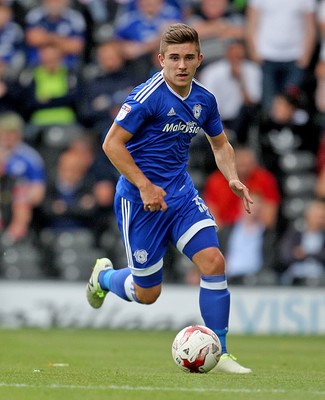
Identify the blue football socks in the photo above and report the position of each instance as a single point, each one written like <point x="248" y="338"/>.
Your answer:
<point x="118" y="281"/>
<point x="215" y="305"/>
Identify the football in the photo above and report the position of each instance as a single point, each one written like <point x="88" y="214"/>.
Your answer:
<point x="197" y="349"/>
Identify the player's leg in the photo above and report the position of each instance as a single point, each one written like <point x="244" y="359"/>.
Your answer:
<point x="147" y="295"/>
<point x="105" y="279"/>
<point x="141" y="280"/>
<point x="194" y="234"/>
<point x="203" y="250"/>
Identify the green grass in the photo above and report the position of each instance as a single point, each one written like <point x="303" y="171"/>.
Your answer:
<point x="137" y="365"/>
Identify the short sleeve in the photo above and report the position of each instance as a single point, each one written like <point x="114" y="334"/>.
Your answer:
<point x="213" y="125"/>
<point x="131" y="116"/>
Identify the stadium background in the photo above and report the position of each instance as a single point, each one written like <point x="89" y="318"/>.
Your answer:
<point x="55" y="297"/>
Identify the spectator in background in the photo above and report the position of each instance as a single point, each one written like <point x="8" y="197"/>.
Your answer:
<point x="11" y="41"/>
<point x="21" y="160"/>
<point x="320" y="184"/>
<point x="248" y="245"/>
<point x="99" y="16"/>
<point x="19" y="9"/>
<point x="302" y="251"/>
<point x="15" y="208"/>
<point x="281" y="35"/>
<point x="69" y="203"/>
<point x="99" y="169"/>
<point x="11" y="59"/>
<point x="10" y="92"/>
<point x="239" y="5"/>
<point x="217" y="24"/>
<point x="320" y="87"/>
<point x="100" y="11"/>
<point x="320" y="67"/>
<point x="320" y="99"/>
<point x="51" y="89"/>
<point x="54" y="22"/>
<point x="103" y="94"/>
<point x="320" y="155"/>
<point x="288" y="128"/>
<point x="236" y="82"/>
<point x="224" y="205"/>
<point x="131" y="5"/>
<point x="139" y="32"/>
<point x="84" y="146"/>
<point x="103" y="177"/>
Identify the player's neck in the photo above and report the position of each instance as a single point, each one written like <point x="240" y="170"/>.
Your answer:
<point x="182" y="91"/>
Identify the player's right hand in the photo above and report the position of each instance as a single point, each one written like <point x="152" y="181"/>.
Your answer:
<point x="153" y="198"/>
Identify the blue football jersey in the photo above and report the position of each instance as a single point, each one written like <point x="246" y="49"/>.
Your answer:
<point x="163" y="124"/>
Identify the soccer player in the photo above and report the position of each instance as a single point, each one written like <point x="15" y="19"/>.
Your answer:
<point x="156" y="201"/>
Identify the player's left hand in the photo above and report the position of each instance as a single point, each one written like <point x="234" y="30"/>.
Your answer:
<point x="241" y="191"/>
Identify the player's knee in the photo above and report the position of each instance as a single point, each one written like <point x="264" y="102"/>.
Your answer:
<point x="147" y="295"/>
<point x="210" y="262"/>
<point x="217" y="265"/>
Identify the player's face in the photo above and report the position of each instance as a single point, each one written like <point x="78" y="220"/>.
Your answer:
<point x="180" y="62"/>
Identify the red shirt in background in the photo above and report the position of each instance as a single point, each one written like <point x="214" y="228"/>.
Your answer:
<point x="227" y="207"/>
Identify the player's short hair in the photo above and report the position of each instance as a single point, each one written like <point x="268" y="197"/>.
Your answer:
<point x="179" y="34"/>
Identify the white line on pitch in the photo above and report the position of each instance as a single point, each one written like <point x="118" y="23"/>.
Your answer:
<point x="160" y="389"/>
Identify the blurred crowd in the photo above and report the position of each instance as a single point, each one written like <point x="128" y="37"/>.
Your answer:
<point x="66" y="67"/>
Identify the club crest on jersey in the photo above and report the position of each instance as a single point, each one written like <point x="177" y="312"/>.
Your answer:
<point x="197" y="109"/>
<point x="125" y="109"/>
<point x="141" y="256"/>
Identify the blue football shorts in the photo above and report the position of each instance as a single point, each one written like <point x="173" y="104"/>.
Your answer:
<point x="187" y="224"/>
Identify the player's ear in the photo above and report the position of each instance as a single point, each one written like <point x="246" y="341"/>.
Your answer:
<point x="161" y="59"/>
<point x="200" y="59"/>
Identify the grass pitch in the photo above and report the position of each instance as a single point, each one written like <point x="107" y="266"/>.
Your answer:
<point x="119" y="365"/>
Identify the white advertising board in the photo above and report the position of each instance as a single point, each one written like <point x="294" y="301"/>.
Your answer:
<point x="255" y="310"/>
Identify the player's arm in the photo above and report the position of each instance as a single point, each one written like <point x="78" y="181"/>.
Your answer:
<point x="115" y="149"/>
<point x="225" y="160"/>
